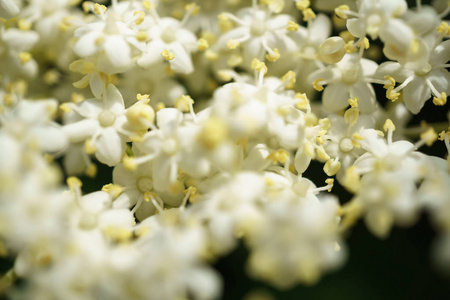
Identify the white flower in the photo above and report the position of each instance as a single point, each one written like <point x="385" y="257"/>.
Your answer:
<point x="258" y="32"/>
<point x="102" y="126"/>
<point x="422" y="75"/>
<point x="15" y="57"/>
<point x="347" y="79"/>
<point x="170" y="41"/>
<point x="314" y="250"/>
<point x="110" y="37"/>
<point x="380" y="18"/>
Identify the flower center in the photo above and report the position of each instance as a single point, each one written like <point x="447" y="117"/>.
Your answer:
<point x="168" y="35"/>
<point x="145" y="184"/>
<point x="106" y="118"/>
<point x="257" y="28"/>
<point x="170" y="146"/>
<point x="350" y="76"/>
<point x="345" y="145"/>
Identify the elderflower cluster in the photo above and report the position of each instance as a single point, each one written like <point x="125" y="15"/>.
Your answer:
<point x="207" y="117"/>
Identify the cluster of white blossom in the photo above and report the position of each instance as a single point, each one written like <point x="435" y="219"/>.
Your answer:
<point x="84" y="84"/>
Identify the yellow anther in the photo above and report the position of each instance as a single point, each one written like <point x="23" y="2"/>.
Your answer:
<point x="331" y="167"/>
<point x="213" y="133"/>
<point x="350" y="47"/>
<point x="8" y="99"/>
<point x="364" y="43"/>
<point x="140" y="115"/>
<point x="330" y="181"/>
<point x="308" y="15"/>
<point x="341" y="11"/>
<point x="222" y="17"/>
<point x="429" y="136"/>
<point x="289" y="78"/>
<point x="317" y="84"/>
<point x="224" y="75"/>
<point x="148" y="5"/>
<point x="140" y="17"/>
<point x="51" y="77"/>
<point x="308" y="147"/>
<point x="129" y="163"/>
<point x="66" y="107"/>
<point x="167" y="55"/>
<point x="141" y="36"/>
<point x="143" y="98"/>
<point x="303" y="101"/>
<point x="24" y="57"/>
<point x="113" y="189"/>
<point x="388" y="125"/>
<point x="311" y="120"/>
<point x="442" y="100"/>
<point x="320" y="140"/>
<point x="391" y="95"/>
<point x="443" y="135"/>
<point x="148" y="196"/>
<point x="192" y="8"/>
<point x="280" y="155"/>
<point x="302" y="4"/>
<point x="184" y="103"/>
<point x="292" y="26"/>
<point x="322" y="154"/>
<point x="202" y="44"/>
<point x="99" y="8"/>
<point x="258" y="65"/>
<point x="353" y="102"/>
<point x="77" y="97"/>
<point x="211" y="55"/>
<point x="351" y="116"/>
<point x="390" y="83"/>
<point x="74" y="183"/>
<point x="160" y="105"/>
<point x="87" y="6"/>
<point x="444" y="29"/>
<point x="232" y="44"/>
<point x="325" y="123"/>
<point x="89" y="148"/>
<point x="91" y="170"/>
<point x="24" y="24"/>
<point x="118" y="234"/>
<point x="346" y="36"/>
<point x="273" y="56"/>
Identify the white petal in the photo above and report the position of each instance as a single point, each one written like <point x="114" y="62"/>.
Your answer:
<point x="117" y="50"/>
<point x="113" y="100"/>
<point x="153" y="54"/>
<point x="86" y="45"/>
<point x="95" y="202"/>
<point x="97" y="85"/>
<point x="366" y="94"/>
<point x="51" y="138"/>
<point x="110" y="147"/>
<point x="182" y="63"/>
<point x="415" y="94"/>
<point x="20" y="40"/>
<point x="335" y="97"/>
<point x="356" y="27"/>
<point x="81" y="130"/>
